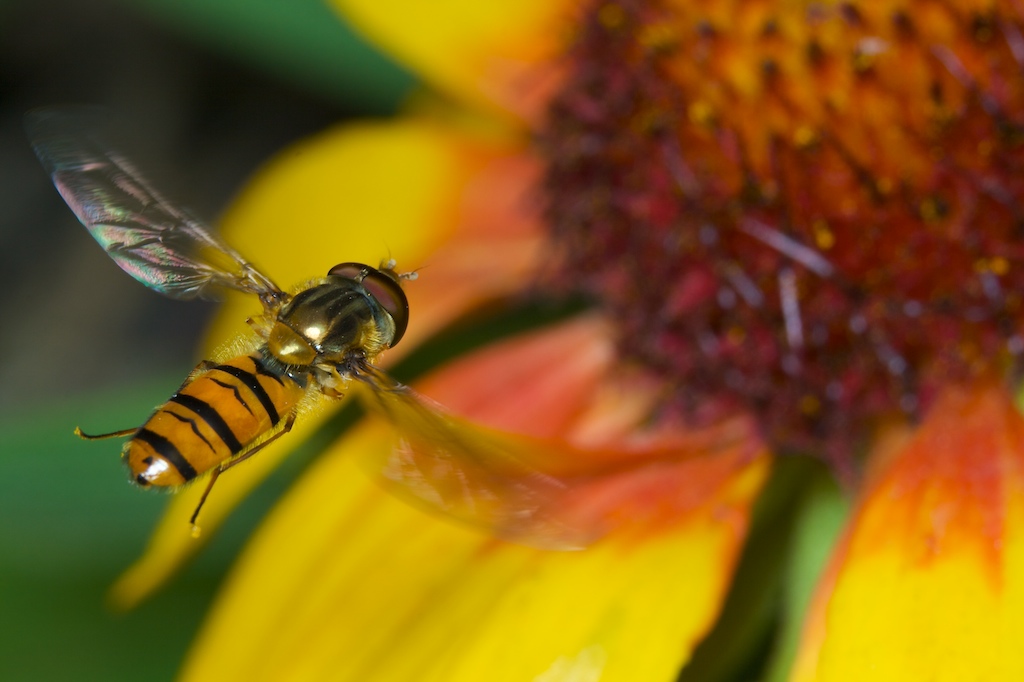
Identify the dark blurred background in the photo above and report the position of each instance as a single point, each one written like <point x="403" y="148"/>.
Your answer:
<point x="212" y="88"/>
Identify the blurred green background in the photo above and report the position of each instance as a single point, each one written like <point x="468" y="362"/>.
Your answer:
<point x="214" y="87"/>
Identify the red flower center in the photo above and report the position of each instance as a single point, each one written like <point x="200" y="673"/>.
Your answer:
<point x="814" y="214"/>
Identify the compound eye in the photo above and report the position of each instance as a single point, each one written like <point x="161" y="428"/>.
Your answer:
<point x="389" y="294"/>
<point x="354" y="271"/>
<point x="382" y="287"/>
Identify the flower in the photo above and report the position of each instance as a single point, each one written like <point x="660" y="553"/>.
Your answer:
<point x="798" y="227"/>
<point x="927" y="579"/>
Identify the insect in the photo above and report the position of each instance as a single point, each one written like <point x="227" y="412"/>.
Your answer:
<point x="308" y="344"/>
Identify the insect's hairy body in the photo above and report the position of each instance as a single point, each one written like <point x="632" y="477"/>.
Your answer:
<point x="223" y="410"/>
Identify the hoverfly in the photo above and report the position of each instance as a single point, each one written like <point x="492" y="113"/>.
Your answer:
<point x="310" y="343"/>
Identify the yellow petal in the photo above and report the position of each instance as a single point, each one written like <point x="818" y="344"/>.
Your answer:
<point x="928" y="583"/>
<point x="376" y="590"/>
<point x="499" y="54"/>
<point x="425" y="194"/>
<point x="346" y="582"/>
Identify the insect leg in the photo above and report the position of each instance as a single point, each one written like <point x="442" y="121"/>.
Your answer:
<point x="100" y="436"/>
<point x="203" y="367"/>
<point x="246" y="454"/>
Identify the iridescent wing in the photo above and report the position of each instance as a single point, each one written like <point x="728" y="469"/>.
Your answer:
<point x="149" y="238"/>
<point x="477" y="475"/>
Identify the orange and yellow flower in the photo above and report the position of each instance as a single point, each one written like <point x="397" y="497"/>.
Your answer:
<point x="798" y="226"/>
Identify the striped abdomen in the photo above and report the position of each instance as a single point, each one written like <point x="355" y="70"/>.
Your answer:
<point x="212" y="418"/>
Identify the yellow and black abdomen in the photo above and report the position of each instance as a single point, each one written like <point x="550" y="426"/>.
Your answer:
<point x="214" y="417"/>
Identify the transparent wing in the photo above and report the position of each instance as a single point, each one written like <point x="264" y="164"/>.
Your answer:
<point x="152" y="240"/>
<point x="477" y="475"/>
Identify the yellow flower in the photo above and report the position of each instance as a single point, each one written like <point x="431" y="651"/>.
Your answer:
<point x="798" y="226"/>
<point x="656" y="584"/>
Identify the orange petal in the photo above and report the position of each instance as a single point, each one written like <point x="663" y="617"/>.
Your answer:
<point x="352" y="584"/>
<point x="498" y="54"/>
<point x="427" y="194"/>
<point x="928" y="583"/>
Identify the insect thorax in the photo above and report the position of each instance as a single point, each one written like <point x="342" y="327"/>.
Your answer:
<point x="328" y="322"/>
